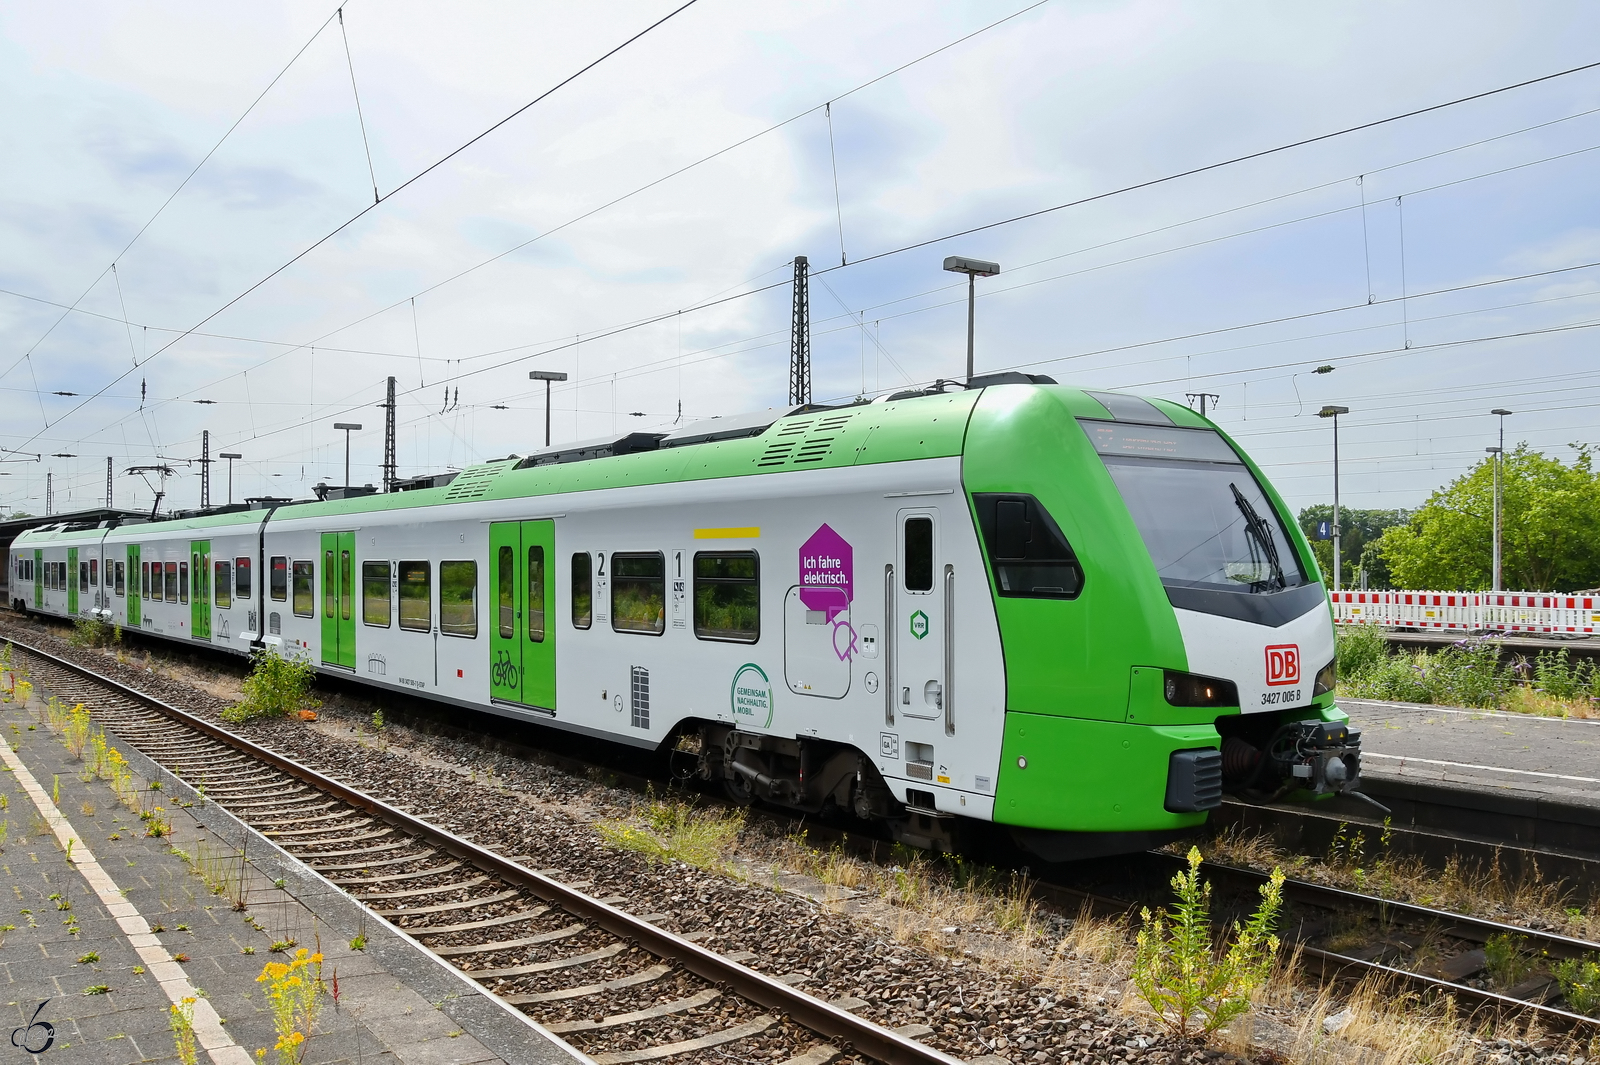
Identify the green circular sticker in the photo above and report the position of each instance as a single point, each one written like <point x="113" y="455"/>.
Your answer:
<point x="751" y="696"/>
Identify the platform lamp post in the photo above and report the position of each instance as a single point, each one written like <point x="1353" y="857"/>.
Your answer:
<point x="1499" y="457"/>
<point x="230" y="456"/>
<point x="546" y="376"/>
<point x="1334" y="412"/>
<point x="347" y="427"/>
<point x="974" y="269"/>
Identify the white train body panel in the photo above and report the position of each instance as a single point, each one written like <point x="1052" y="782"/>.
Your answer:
<point x="830" y="680"/>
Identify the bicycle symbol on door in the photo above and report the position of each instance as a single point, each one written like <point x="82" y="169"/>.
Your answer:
<point x="504" y="672"/>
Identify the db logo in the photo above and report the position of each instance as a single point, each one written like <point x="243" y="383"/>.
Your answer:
<point x="1283" y="664"/>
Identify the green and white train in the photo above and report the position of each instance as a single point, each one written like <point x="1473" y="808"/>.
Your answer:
<point x="1081" y="615"/>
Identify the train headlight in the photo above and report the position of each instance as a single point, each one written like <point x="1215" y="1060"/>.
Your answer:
<point x="1327" y="679"/>
<point x="1187" y="689"/>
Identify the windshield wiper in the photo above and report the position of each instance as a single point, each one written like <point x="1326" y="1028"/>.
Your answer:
<point x="1262" y="532"/>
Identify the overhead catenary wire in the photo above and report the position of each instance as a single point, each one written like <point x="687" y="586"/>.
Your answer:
<point x="360" y="118"/>
<point x="296" y="345"/>
<point x="1209" y="216"/>
<point x="833" y="157"/>
<point x="1477" y="96"/>
<point x="413" y="179"/>
<point x="174" y="194"/>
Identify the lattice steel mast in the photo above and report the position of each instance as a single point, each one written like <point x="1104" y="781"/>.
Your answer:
<point x="389" y="474"/>
<point x="800" y="336"/>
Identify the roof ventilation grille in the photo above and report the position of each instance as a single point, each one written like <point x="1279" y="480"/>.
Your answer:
<point x="784" y="441"/>
<point x="804" y="442"/>
<point x="474" y="481"/>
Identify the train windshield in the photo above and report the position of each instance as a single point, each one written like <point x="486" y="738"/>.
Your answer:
<point x="1202" y="514"/>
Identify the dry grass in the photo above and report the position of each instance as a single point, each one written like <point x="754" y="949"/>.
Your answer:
<point x="1379" y="1024"/>
<point x="1360" y="859"/>
<point x="1526" y="699"/>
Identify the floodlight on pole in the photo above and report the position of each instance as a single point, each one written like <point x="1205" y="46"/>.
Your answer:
<point x="1334" y="412"/>
<point x="347" y="427"/>
<point x="974" y="269"/>
<point x="1499" y="459"/>
<point x="546" y="376"/>
<point x="230" y="456"/>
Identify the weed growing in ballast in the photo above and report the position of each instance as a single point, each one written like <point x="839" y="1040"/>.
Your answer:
<point x="276" y="687"/>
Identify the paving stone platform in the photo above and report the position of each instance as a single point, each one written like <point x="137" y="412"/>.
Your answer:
<point x="1514" y="755"/>
<point x="104" y="940"/>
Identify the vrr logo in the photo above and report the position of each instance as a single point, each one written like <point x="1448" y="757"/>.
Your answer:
<point x="1283" y="664"/>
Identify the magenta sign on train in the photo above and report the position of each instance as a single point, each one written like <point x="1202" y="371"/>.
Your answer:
<point x="827" y="567"/>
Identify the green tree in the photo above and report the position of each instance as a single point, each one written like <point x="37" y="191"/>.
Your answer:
<point x="1358" y="529"/>
<point x="1550" y="537"/>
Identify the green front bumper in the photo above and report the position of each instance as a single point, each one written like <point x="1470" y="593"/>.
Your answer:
<point x="1091" y="776"/>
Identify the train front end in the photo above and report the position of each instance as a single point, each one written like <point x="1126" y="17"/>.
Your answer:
<point x="1167" y="635"/>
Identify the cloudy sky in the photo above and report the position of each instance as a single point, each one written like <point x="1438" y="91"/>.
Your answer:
<point x="635" y="228"/>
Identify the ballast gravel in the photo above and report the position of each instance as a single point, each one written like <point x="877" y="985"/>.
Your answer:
<point x="543" y="816"/>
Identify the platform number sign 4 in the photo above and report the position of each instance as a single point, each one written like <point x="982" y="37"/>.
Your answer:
<point x="1283" y="664"/>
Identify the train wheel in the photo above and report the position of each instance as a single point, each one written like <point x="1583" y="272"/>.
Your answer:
<point x="738" y="789"/>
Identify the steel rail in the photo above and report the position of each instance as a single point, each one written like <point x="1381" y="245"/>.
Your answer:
<point x="825" y="1019"/>
<point x="1462" y="926"/>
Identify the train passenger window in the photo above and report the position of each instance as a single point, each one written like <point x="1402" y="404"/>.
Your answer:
<point x="638" y="592"/>
<point x="224" y="584"/>
<point x="329" y="577"/>
<point x="94" y="573"/>
<point x="582" y="590"/>
<point x="118" y="581"/>
<point x="727" y="596"/>
<point x="183" y="582"/>
<point x="536" y="595"/>
<point x="1030" y="557"/>
<point x="416" y="596"/>
<point x="83" y="576"/>
<point x="280" y="577"/>
<point x="241" y="578"/>
<point x="505" y="590"/>
<point x="144" y="580"/>
<point x="458" y="598"/>
<point x="919" y="554"/>
<point x="346" y="584"/>
<point x="375" y="594"/>
<point x="171" y="569"/>
<point x="305" y="585"/>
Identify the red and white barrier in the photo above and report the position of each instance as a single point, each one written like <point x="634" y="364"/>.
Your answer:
<point x="1507" y="611"/>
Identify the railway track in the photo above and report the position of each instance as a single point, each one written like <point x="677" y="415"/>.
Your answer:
<point x="461" y="901"/>
<point x="613" y="984"/>
<point x="1421" y="948"/>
